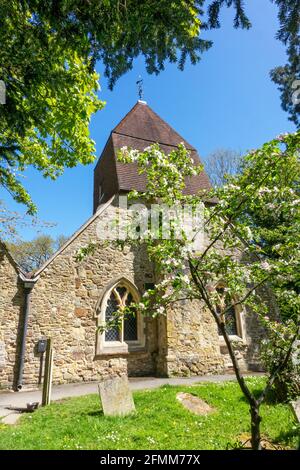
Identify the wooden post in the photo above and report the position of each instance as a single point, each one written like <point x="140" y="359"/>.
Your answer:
<point x="47" y="383"/>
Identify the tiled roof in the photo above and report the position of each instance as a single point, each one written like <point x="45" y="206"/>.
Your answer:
<point x="143" y="123"/>
<point x="138" y="129"/>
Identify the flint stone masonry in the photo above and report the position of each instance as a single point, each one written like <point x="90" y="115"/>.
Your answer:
<point x="116" y="397"/>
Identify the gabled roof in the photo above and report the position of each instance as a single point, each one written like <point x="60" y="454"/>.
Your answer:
<point x="140" y="128"/>
<point x="101" y="209"/>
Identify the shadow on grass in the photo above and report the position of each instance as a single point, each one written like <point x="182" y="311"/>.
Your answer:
<point x="98" y="413"/>
<point x="286" y="437"/>
<point x="270" y="399"/>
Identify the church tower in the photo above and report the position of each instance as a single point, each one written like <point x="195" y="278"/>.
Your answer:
<point x="140" y="128"/>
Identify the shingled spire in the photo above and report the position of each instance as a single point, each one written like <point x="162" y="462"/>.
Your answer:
<point x="138" y="129"/>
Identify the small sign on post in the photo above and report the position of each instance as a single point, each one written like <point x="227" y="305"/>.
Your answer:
<point x="47" y="383"/>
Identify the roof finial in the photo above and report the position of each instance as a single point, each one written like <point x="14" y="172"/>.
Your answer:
<point x="140" y="84"/>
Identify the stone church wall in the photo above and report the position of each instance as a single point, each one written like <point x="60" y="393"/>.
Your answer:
<point x="193" y="342"/>
<point x="11" y="312"/>
<point x="63" y="307"/>
<point x="194" y="346"/>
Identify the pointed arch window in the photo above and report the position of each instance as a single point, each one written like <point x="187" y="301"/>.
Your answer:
<point x="120" y="298"/>
<point x="128" y="333"/>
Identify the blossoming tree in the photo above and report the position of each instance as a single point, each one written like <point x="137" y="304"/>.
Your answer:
<point x="235" y="252"/>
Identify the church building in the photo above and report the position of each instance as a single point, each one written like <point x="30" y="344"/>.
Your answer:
<point x="66" y="299"/>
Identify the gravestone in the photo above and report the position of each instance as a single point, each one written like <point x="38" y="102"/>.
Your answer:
<point x="296" y="409"/>
<point x="11" y="418"/>
<point x="194" y="404"/>
<point x="116" y="396"/>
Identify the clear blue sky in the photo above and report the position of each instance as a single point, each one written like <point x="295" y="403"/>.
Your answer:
<point x="227" y="100"/>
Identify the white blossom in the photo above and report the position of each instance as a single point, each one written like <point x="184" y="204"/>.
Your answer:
<point x="265" y="265"/>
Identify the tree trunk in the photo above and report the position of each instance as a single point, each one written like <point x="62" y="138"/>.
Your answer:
<point x="255" y="427"/>
<point x="254" y="404"/>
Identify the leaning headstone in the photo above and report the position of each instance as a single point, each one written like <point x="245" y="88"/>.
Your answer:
<point x="296" y="409"/>
<point x="116" y="396"/>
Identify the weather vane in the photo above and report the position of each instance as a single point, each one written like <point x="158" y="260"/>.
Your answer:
<point x="140" y="83"/>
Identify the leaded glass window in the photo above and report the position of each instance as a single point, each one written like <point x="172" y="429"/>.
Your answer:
<point x="230" y="316"/>
<point x="127" y="329"/>
<point x="113" y="333"/>
<point x="130" y="323"/>
<point x="230" y="322"/>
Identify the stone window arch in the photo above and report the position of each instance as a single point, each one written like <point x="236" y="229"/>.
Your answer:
<point x="128" y="335"/>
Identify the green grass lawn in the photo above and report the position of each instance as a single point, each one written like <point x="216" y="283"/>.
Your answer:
<point x="160" y="422"/>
